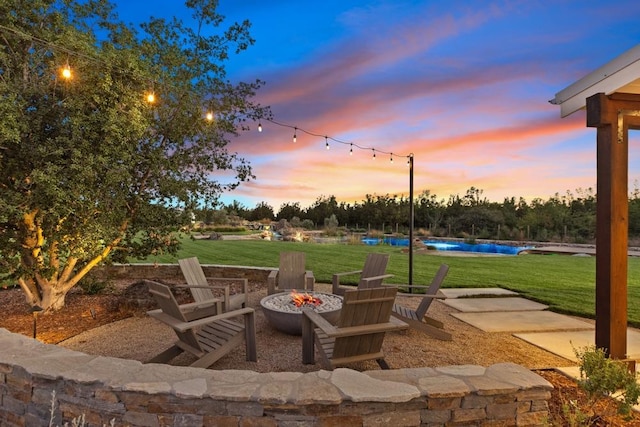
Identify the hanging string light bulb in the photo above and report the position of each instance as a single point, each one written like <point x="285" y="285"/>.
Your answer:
<point x="151" y="97"/>
<point x="209" y="116"/>
<point x="297" y="129"/>
<point x="66" y="72"/>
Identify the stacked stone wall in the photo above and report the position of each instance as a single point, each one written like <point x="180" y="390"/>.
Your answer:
<point x="128" y="393"/>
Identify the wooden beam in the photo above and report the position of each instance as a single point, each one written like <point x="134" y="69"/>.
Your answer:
<point x="608" y="115"/>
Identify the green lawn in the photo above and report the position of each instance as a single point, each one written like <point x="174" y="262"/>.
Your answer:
<point x="565" y="283"/>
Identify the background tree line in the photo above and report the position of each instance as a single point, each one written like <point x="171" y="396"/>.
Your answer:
<point x="570" y="217"/>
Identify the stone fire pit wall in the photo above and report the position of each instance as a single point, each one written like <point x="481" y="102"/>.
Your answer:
<point x="132" y="394"/>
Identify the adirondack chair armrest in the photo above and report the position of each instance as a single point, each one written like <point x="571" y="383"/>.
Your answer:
<point x="204" y="286"/>
<point x="351" y="331"/>
<point x="200" y="309"/>
<point x="319" y="321"/>
<point x="194" y="306"/>
<point x="185" y="326"/>
<point x="309" y="280"/>
<point x="335" y="281"/>
<point x="373" y="278"/>
<point x="272" y="281"/>
<point x="235" y="313"/>
<point x="346" y="273"/>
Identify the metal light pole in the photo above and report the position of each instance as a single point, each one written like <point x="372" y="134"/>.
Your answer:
<point x="411" y="214"/>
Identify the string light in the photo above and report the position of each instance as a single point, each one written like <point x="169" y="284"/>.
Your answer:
<point x="295" y="137"/>
<point x="297" y="129"/>
<point x="151" y="97"/>
<point x="66" y="72"/>
<point x="391" y="158"/>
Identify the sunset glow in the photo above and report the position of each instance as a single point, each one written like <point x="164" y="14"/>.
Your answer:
<point x="463" y="86"/>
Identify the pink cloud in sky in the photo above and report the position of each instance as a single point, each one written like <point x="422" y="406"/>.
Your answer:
<point x="463" y="88"/>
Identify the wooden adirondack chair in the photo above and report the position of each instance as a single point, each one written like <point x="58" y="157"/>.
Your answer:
<point x="418" y="318"/>
<point x="291" y="274"/>
<point x="371" y="275"/>
<point x="201" y="290"/>
<point x="208" y="338"/>
<point x="359" y="333"/>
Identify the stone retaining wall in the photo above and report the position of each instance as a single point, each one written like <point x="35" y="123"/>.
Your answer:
<point x="130" y="393"/>
<point x="172" y="272"/>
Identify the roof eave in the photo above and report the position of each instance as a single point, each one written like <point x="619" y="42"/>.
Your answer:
<point x="621" y="72"/>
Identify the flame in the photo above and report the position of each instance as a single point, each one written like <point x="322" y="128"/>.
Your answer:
<point x="304" y="299"/>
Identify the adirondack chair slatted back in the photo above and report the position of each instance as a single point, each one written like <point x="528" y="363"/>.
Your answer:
<point x="432" y="290"/>
<point x="194" y="275"/>
<point x="168" y="304"/>
<point x="375" y="265"/>
<point x="359" y="308"/>
<point x="292" y="270"/>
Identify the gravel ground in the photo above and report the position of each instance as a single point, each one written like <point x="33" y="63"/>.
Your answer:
<point x="142" y="337"/>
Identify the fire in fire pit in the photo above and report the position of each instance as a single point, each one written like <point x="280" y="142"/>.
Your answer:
<point x="284" y="310"/>
<point x="300" y="300"/>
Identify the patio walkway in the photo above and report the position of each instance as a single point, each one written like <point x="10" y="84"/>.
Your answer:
<point x="498" y="310"/>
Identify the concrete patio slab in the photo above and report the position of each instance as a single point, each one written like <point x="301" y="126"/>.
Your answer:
<point x="522" y="321"/>
<point x="476" y="292"/>
<point x="563" y="343"/>
<point x="477" y="305"/>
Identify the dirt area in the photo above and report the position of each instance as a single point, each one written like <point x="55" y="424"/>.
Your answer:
<point x="94" y="324"/>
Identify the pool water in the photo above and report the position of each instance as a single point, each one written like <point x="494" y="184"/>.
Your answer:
<point x="487" y="248"/>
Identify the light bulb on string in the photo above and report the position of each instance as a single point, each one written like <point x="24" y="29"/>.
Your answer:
<point x="151" y="97"/>
<point x="66" y="72"/>
<point x="351" y="150"/>
<point x="209" y="116"/>
<point x="326" y="142"/>
<point x="374" y="153"/>
<point x="259" y="127"/>
<point x="295" y="137"/>
<point x="391" y="158"/>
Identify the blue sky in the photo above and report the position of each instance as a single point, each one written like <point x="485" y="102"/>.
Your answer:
<point x="463" y="85"/>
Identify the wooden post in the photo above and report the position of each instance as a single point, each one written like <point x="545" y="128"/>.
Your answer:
<point x="612" y="115"/>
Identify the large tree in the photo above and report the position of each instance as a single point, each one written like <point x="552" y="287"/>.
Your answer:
<point x="91" y="170"/>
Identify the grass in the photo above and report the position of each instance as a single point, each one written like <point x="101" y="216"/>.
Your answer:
<point x="565" y="283"/>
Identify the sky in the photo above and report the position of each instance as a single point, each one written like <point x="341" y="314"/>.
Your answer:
<point x="463" y="86"/>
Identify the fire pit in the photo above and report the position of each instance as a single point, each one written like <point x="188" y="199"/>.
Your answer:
<point x="284" y="310"/>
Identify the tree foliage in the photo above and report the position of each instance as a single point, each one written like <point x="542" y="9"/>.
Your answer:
<point x="570" y="217"/>
<point x="89" y="170"/>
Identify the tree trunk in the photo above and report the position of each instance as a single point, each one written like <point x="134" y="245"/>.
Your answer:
<point x="49" y="296"/>
<point x="53" y="297"/>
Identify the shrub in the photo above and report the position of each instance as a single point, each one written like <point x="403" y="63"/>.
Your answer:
<point x="91" y="286"/>
<point x="601" y="376"/>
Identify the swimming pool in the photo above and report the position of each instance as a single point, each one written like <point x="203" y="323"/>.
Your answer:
<point x="487" y="248"/>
